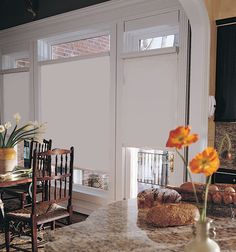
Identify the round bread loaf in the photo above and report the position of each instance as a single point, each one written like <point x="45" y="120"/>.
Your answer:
<point x="228" y="195"/>
<point x="172" y="214"/>
<point x="189" y="186"/>
<point x="151" y="197"/>
<point x="217" y="197"/>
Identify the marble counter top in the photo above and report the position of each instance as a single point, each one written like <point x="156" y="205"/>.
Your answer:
<point x="121" y="227"/>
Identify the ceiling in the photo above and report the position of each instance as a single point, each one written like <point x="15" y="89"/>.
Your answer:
<point x="14" y="12"/>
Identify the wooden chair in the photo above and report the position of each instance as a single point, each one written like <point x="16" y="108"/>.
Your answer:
<point x="22" y="192"/>
<point x="54" y="169"/>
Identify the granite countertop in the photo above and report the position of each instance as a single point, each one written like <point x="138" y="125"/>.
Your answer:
<point x="121" y="227"/>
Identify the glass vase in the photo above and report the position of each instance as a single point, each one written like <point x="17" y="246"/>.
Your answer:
<point x="202" y="242"/>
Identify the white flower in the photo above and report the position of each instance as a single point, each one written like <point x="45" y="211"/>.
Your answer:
<point x="29" y="127"/>
<point x="7" y="125"/>
<point x="42" y="128"/>
<point x="38" y="138"/>
<point x="2" y="128"/>
<point x="35" y="123"/>
<point x="17" y="117"/>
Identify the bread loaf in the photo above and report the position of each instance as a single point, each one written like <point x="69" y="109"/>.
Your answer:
<point x="151" y="197"/>
<point x="189" y="186"/>
<point x="228" y="195"/>
<point x="172" y="214"/>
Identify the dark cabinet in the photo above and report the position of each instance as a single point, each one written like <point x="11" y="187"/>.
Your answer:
<point x="226" y="176"/>
<point x="226" y="72"/>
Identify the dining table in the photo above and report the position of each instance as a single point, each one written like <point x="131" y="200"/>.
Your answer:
<point x="12" y="181"/>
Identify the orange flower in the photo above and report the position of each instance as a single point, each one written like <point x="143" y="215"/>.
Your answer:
<point x="180" y="137"/>
<point x="206" y="162"/>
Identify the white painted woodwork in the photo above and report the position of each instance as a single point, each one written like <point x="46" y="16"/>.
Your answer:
<point x="200" y="59"/>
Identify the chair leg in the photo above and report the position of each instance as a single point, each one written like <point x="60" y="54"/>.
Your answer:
<point x="23" y="200"/>
<point x="7" y="235"/>
<point x="69" y="219"/>
<point x="53" y="224"/>
<point x="34" y="236"/>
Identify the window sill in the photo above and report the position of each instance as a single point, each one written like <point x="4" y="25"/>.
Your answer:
<point x="90" y="191"/>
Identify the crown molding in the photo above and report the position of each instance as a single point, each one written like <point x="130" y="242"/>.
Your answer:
<point x="106" y="13"/>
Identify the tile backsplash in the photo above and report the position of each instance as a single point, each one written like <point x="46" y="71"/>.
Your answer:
<point x="221" y="128"/>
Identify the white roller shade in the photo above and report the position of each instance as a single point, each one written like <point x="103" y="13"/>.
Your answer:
<point x="149" y="100"/>
<point x="76" y="106"/>
<point x="166" y="19"/>
<point x="16" y="95"/>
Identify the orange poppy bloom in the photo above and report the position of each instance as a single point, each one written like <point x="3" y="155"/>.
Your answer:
<point x="180" y="137"/>
<point x="206" y="162"/>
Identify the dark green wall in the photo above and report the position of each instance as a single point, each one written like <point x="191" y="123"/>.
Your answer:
<point x="14" y="12"/>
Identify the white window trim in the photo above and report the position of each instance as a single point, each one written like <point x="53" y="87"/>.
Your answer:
<point x="74" y="58"/>
<point x="15" y="70"/>
<point x="153" y="52"/>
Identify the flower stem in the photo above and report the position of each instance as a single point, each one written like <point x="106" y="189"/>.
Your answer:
<point x="4" y="137"/>
<point x="1" y="140"/>
<point x="203" y="215"/>
<point x="189" y="174"/>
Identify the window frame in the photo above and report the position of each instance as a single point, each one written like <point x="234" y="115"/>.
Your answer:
<point x="9" y="60"/>
<point x="45" y="45"/>
<point x="132" y="38"/>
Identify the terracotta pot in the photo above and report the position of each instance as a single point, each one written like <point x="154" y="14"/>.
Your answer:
<point x="7" y="160"/>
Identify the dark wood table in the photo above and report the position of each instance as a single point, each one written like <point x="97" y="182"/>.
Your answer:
<point x="15" y="181"/>
<point x="12" y="182"/>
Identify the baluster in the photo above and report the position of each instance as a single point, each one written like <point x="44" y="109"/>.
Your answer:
<point x="55" y="188"/>
<point x="61" y="167"/>
<point x="144" y="167"/>
<point x="50" y="175"/>
<point x="155" y="168"/>
<point x="152" y="169"/>
<point x="159" y="169"/>
<point x="167" y="168"/>
<point x="139" y="166"/>
<point x="65" y="181"/>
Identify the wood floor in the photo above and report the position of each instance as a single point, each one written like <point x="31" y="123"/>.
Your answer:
<point x="24" y="243"/>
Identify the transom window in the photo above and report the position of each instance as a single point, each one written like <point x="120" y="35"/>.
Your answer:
<point x="22" y="63"/>
<point x="157" y="42"/>
<point x="81" y="47"/>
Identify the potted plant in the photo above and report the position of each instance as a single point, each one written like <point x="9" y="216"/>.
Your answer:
<point x="10" y="138"/>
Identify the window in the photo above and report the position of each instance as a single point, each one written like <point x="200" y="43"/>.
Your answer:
<point x="15" y="60"/>
<point x="150" y="33"/>
<point x="156" y="43"/>
<point x="89" y="131"/>
<point x="81" y="47"/>
<point x="89" y="178"/>
<point x="22" y="63"/>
